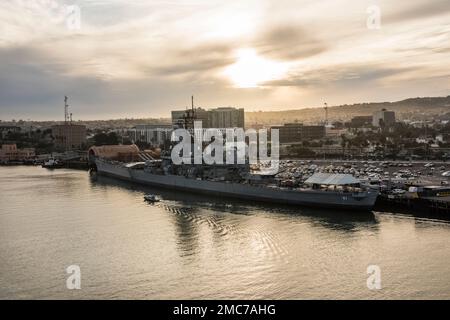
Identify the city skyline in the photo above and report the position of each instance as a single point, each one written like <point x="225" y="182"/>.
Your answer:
<point x="143" y="59"/>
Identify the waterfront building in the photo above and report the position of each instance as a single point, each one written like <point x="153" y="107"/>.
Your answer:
<point x="10" y="152"/>
<point x="69" y="136"/>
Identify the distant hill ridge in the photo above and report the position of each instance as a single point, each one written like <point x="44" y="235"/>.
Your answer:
<point x="413" y="108"/>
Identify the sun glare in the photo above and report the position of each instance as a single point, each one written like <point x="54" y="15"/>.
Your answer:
<point x="251" y="70"/>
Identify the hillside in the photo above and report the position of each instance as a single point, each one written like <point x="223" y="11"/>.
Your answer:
<point x="413" y="108"/>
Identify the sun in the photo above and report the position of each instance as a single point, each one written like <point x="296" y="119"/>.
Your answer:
<point x="251" y="70"/>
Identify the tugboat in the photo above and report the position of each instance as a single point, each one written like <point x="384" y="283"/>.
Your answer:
<point x="52" y="164"/>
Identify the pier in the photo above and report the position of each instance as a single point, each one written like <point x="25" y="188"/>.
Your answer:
<point x="423" y="205"/>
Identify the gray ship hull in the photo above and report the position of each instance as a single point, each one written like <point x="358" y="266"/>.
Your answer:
<point x="331" y="199"/>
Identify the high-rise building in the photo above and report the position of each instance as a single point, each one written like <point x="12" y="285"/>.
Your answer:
<point x="383" y="118"/>
<point x="226" y="118"/>
<point x="296" y="132"/>
<point x="213" y="118"/>
<point x="178" y="117"/>
<point x="69" y="136"/>
<point x="154" y="134"/>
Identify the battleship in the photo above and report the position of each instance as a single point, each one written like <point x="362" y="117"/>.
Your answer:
<point x="241" y="181"/>
<point x="337" y="191"/>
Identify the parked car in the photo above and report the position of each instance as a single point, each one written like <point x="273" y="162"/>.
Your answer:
<point x="446" y="174"/>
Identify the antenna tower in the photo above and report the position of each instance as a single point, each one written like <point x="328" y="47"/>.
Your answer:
<point x="66" y="109"/>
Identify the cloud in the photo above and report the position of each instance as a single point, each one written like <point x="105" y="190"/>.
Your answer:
<point x="288" y="43"/>
<point x="342" y="75"/>
<point x="416" y="10"/>
<point x="145" y="57"/>
<point x="203" y="58"/>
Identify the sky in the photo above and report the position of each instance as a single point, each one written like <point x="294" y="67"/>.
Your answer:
<point x="144" y="58"/>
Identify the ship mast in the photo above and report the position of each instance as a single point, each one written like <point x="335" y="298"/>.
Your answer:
<point x="189" y="117"/>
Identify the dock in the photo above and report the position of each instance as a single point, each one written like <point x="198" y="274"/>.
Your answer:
<point x="431" y="204"/>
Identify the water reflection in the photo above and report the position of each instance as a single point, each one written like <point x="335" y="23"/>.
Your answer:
<point x="187" y="204"/>
<point x="204" y="224"/>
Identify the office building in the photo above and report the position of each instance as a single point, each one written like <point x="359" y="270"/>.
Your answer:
<point x="226" y="118"/>
<point x="297" y="132"/>
<point x="212" y="118"/>
<point x="383" y="118"/>
<point x="153" y="134"/>
<point x="69" y="136"/>
<point x="361" y="121"/>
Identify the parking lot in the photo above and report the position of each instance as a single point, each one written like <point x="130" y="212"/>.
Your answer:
<point x="374" y="172"/>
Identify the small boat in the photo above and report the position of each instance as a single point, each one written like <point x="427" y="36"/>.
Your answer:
<point x="151" y="198"/>
<point x="52" y="164"/>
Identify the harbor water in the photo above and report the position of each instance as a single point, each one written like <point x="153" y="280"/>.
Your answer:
<point x="197" y="247"/>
